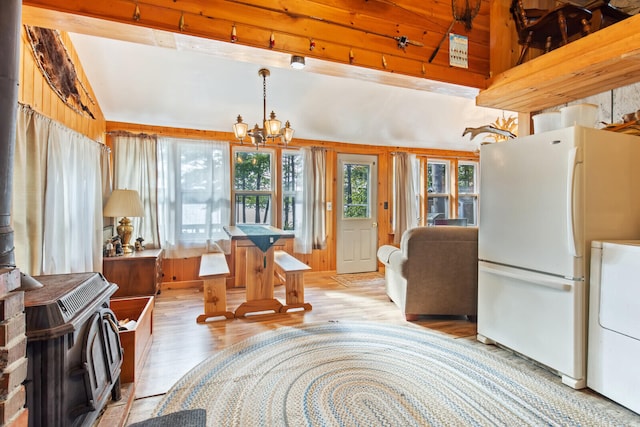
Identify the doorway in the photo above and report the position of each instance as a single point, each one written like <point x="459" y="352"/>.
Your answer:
<point x="357" y="228"/>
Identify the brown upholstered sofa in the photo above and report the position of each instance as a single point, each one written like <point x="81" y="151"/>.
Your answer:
<point x="435" y="271"/>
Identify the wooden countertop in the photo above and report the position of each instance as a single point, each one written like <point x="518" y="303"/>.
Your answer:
<point x="147" y="253"/>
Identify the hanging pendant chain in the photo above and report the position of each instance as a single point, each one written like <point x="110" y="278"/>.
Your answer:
<point x="264" y="99"/>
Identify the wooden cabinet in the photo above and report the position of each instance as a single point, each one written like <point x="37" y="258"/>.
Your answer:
<point x="139" y="273"/>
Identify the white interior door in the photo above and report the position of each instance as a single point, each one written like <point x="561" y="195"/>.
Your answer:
<point x="357" y="236"/>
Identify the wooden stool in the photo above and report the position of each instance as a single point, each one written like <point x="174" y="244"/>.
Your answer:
<point x="213" y="272"/>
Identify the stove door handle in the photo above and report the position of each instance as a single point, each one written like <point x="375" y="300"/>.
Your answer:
<point x="109" y="318"/>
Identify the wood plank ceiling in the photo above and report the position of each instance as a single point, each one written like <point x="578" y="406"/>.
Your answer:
<point x="358" y="32"/>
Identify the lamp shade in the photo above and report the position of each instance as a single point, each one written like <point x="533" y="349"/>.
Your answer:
<point x="240" y="129"/>
<point x="287" y="133"/>
<point x="272" y="126"/>
<point x="124" y="203"/>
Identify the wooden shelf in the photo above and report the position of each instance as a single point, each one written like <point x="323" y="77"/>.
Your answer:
<point x="601" y="61"/>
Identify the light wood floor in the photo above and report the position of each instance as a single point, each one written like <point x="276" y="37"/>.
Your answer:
<point x="179" y="343"/>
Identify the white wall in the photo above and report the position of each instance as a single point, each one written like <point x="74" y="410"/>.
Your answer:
<point x="613" y="104"/>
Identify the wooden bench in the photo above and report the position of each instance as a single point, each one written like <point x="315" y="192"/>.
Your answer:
<point x="290" y="270"/>
<point x="213" y="272"/>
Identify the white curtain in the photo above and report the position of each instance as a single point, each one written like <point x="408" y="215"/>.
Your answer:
<point x="57" y="197"/>
<point x="29" y="183"/>
<point x="193" y="190"/>
<point x="303" y="243"/>
<point x="73" y="204"/>
<point x="405" y="210"/>
<point x="136" y="169"/>
<point x="319" y="173"/>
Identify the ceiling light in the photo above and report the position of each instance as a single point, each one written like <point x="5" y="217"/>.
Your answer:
<point x="271" y="128"/>
<point x="297" y="62"/>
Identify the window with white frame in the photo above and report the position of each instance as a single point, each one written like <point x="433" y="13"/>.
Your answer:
<point x="437" y="189"/>
<point x="292" y="189"/>
<point x="196" y="214"/>
<point x="193" y="192"/>
<point x="253" y="186"/>
<point x="356" y="193"/>
<point x="468" y="191"/>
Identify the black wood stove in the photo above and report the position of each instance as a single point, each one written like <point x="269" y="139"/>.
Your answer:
<point x="73" y="348"/>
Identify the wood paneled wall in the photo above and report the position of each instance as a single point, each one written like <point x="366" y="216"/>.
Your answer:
<point x="319" y="260"/>
<point x="36" y="92"/>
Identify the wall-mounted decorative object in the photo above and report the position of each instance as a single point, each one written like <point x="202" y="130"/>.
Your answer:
<point x="463" y="11"/>
<point x="57" y="68"/>
<point x="458" y="51"/>
<point x="501" y="130"/>
<point x="403" y="42"/>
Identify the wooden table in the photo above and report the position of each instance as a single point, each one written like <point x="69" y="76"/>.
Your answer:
<point x="254" y="265"/>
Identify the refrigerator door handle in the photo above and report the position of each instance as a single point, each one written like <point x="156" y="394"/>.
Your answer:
<point x="571" y="175"/>
<point x="547" y="282"/>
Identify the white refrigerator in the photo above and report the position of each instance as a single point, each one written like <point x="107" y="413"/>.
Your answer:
<point x="543" y="199"/>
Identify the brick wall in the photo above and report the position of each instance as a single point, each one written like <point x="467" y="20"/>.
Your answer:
<point x="13" y="351"/>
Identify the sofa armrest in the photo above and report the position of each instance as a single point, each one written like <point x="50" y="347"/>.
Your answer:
<point x="385" y="252"/>
<point x="396" y="261"/>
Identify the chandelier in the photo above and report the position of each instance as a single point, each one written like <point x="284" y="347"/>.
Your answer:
<point x="271" y="129"/>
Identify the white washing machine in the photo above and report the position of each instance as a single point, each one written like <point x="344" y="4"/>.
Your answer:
<point x="613" y="367"/>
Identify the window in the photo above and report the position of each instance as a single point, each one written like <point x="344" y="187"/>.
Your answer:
<point x="193" y="192"/>
<point x="468" y="192"/>
<point x="356" y="190"/>
<point x="253" y="186"/>
<point x="437" y="189"/>
<point x="292" y="190"/>
<point x="196" y="213"/>
<point x="446" y="184"/>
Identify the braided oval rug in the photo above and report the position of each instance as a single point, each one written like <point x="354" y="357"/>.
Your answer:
<point x="374" y="374"/>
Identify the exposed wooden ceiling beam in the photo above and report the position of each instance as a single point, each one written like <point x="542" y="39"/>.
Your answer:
<point x="354" y="32"/>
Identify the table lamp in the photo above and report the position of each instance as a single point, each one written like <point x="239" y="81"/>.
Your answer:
<point x="124" y="203"/>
